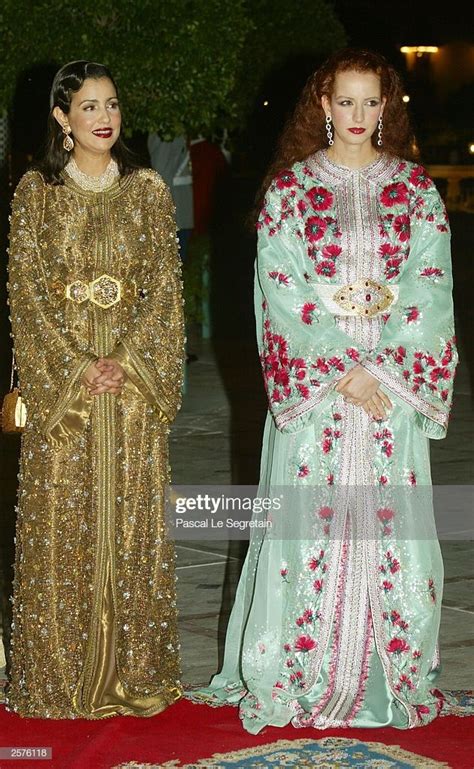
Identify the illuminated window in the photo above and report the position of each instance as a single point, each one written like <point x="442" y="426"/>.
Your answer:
<point x="419" y="49"/>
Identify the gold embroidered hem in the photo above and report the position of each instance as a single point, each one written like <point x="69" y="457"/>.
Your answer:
<point x="94" y="605"/>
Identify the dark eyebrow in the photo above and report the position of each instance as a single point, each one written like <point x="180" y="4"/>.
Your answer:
<point x="341" y="96"/>
<point x="96" y="101"/>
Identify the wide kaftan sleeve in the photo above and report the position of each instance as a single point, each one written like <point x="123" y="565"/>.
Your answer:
<point x="416" y="356"/>
<point x="302" y="351"/>
<point x="50" y="357"/>
<point x="152" y="352"/>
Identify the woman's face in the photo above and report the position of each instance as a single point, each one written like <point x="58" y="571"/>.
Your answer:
<point x="355" y="106"/>
<point x="94" y="116"/>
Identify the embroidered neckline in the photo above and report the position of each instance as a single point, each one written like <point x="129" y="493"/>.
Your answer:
<point x="381" y="166"/>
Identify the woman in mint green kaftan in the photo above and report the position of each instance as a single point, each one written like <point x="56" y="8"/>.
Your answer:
<point x="341" y="629"/>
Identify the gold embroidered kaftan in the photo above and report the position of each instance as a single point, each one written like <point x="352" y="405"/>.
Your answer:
<point x="94" y="630"/>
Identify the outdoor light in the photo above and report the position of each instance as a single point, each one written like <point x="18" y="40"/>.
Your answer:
<point x="406" y="98"/>
<point x="471" y="148"/>
<point x="265" y="104"/>
<point x="419" y="49"/>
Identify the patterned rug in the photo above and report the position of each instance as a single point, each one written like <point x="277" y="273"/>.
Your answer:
<point x="327" y="753"/>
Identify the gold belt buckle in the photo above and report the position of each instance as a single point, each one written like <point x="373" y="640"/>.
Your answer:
<point x="365" y="297"/>
<point x="78" y="291"/>
<point x="105" y="291"/>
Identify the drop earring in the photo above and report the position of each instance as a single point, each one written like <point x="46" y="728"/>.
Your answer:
<point x="379" y="135"/>
<point x="329" y="131"/>
<point x="68" y="143"/>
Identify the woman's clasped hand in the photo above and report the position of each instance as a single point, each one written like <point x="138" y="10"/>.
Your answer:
<point x="360" y="388"/>
<point x="105" y="375"/>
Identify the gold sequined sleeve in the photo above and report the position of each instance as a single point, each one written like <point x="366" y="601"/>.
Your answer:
<point x="50" y="359"/>
<point x="152" y="352"/>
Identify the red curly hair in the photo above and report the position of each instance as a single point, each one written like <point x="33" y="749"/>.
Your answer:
<point x="305" y="131"/>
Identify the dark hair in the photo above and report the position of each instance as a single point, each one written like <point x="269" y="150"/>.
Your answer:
<point x="305" y="132"/>
<point x="67" y="81"/>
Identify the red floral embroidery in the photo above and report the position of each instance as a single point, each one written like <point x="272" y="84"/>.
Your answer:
<point x="411" y="314"/>
<point x="393" y="564"/>
<point x="329" y="436"/>
<point x="302" y="207"/>
<point x="385" y="514"/>
<point x="315" y="228"/>
<point x="420" y="178"/>
<point x="422" y="710"/>
<point x="397" y="646"/>
<point x="297" y="677"/>
<point x="307" y="312"/>
<point x="384" y="439"/>
<point x="327" y="514"/>
<point x="432" y="272"/>
<point x="401" y="225"/>
<point x="305" y="643"/>
<point x="447" y="354"/>
<point x="326" y="268"/>
<point x="404" y="683"/>
<point x="394" y="194"/>
<point x="280" y="278"/>
<point x="391" y="268"/>
<point x="320" y="198"/>
<point x="432" y="590"/>
<point x="332" y="251"/>
<point x="286" y="179"/>
<point x="279" y="371"/>
<point x="353" y="354"/>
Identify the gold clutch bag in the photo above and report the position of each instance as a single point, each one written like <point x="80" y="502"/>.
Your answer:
<point x="13" y="416"/>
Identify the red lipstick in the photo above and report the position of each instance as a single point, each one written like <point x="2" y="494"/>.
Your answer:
<point x="103" y="133"/>
<point x="357" y="130"/>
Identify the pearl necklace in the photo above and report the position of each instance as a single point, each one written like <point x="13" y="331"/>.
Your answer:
<point x="93" y="183"/>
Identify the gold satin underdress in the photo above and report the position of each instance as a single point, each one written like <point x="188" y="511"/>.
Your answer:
<point x="94" y="608"/>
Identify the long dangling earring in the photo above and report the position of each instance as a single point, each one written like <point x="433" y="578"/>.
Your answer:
<point x="379" y="140"/>
<point x="68" y="143"/>
<point x="329" y="131"/>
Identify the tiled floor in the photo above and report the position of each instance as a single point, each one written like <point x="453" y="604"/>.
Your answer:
<point x="209" y="446"/>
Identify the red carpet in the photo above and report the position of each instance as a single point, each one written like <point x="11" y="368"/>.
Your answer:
<point x="187" y="731"/>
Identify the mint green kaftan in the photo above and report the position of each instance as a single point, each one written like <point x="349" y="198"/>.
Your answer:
<point x="338" y="625"/>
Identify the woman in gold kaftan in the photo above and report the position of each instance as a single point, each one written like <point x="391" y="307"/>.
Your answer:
<point x="97" y="320"/>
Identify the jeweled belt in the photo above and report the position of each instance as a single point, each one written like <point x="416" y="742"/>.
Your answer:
<point x="104" y="291"/>
<point x="365" y="298"/>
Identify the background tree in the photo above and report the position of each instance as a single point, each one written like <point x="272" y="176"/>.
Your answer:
<point x="176" y="63"/>
<point x="186" y="66"/>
